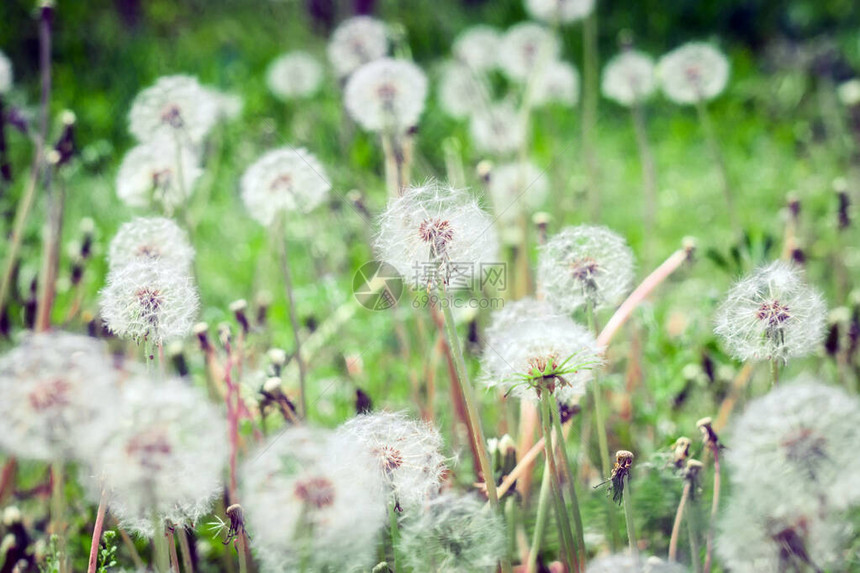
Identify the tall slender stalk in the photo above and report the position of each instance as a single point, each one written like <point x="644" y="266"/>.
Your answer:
<point x="185" y="550"/>
<point x="58" y="511"/>
<point x="717" y="155"/>
<point x="676" y="526"/>
<point x="774" y="371"/>
<point x="715" y="506"/>
<point x="628" y="517"/>
<point x="570" y="472"/>
<point x="649" y="169"/>
<point x="52" y="234"/>
<point x="540" y="523"/>
<point x="97" y="533"/>
<point x="159" y="545"/>
<point x="171" y="549"/>
<point x="294" y="322"/>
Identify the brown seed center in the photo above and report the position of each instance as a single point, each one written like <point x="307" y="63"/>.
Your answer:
<point x="315" y="492"/>
<point x="50" y="394"/>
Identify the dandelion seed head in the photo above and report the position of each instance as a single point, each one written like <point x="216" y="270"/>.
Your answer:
<point x="629" y="78"/>
<point x="312" y="492"/>
<point x="406" y="453"/>
<point x="557" y="82"/>
<point x="59" y="396"/>
<point x="562" y="11"/>
<point x="157" y="172"/>
<point x="148" y="299"/>
<point x="848" y="92"/>
<point x="355" y="42"/>
<point x="772" y="314"/>
<point x="461" y="92"/>
<point x="478" y="48"/>
<point x="497" y="129"/>
<point x="294" y="75"/>
<point x="165" y="455"/>
<point x="517" y="188"/>
<point x="693" y="72"/>
<point x="151" y="238"/>
<point x="6" y="76"/>
<point x="229" y="106"/>
<point x="525" y="47"/>
<point x="432" y="231"/>
<point x="455" y="533"/>
<point x="585" y="264"/>
<point x="176" y="108"/>
<point x="386" y="95"/>
<point x="285" y="180"/>
<point x="626" y="563"/>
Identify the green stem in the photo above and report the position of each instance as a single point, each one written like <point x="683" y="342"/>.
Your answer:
<point x="394" y="536"/>
<point x="571" y="472"/>
<point x="58" y="509"/>
<point x="171" y="549"/>
<point x="649" y="171"/>
<point x="628" y="517"/>
<point x="283" y="258"/>
<point x="692" y="532"/>
<point x="159" y="544"/>
<point x="568" y="545"/>
<point x="540" y="523"/>
<point x="774" y="371"/>
<point x="717" y="154"/>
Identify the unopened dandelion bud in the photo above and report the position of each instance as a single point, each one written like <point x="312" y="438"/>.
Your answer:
<point x="263" y="300"/>
<point x="363" y="402"/>
<point x="278" y="358"/>
<point x="239" y="308"/>
<point x="484" y="170"/>
<point x="792" y="202"/>
<point x="87" y="229"/>
<point x="681" y="451"/>
<point x="567" y="410"/>
<point x="272" y="386"/>
<point x="53" y="157"/>
<point x="689" y="245"/>
<point x="692" y="469"/>
<point x="201" y="330"/>
<point x="11" y="515"/>
<point x="176" y="352"/>
<point x="507" y="455"/>
<point x="709" y="435"/>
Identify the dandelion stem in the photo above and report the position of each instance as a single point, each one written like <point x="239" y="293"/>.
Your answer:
<point x="540" y="523"/>
<point x="132" y="550"/>
<point x="294" y="322"/>
<point x="185" y="550"/>
<point x="774" y="371"/>
<point x="692" y="533"/>
<point x="570" y="471"/>
<point x="717" y="155"/>
<point x="568" y="544"/>
<point x="243" y="552"/>
<point x="676" y="527"/>
<point x="628" y="517"/>
<point x="394" y="535"/>
<point x="171" y="546"/>
<point x="58" y="508"/>
<point x="715" y="506"/>
<point x="159" y="544"/>
<point x="97" y="533"/>
<point x="649" y="170"/>
<point x="50" y="251"/>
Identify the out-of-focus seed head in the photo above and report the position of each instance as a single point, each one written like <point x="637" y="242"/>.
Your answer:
<point x="5" y="74"/>
<point x="461" y="91"/>
<point x="557" y="82"/>
<point x="693" y="72"/>
<point x="294" y="75"/>
<point x="478" y="48"/>
<point x="525" y="48"/>
<point x="515" y="189"/>
<point x="175" y="107"/>
<point x="497" y="129"/>
<point x="629" y="78"/>
<point x="355" y="42"/>
<point x="151" y="238"/>
<point x="559" y="11"/>
<point x="386" y="95"/>
<point x="156" y="173"/>
<point x="849" y="92"/>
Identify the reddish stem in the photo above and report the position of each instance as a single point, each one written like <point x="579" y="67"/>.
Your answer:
<point x="97" y="533"/>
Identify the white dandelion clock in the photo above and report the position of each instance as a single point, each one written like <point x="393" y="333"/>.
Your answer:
<point x="790" y="446"/>
<point x="515" y="189"/>
<point x="165" y="457"/>
<point x="407" y="454"/>
<point x="175" y="107"/>
<point x="229" y="106"/>
<point x="562" y="11"/>
<point x="284" y="181"/>
<point x="585" y="265"/>
<point x="433" y="233"/>
<point x="6" y="76"/>
<point x="356" y="42"/>
<point x="149" y="300"/>
<point x="848" y="92"/>
<point x="629" y="78"/>
<point x="294" y="75"/>
<point x="557" y="82"/>
<point x="151" y="238"/>
<point x="157" y="173"/>
<point x="772" y="315"/>
<point x="386" y="95"/>
<point x="478" y="48"/>
<point x="627" y="563"/>
<point x="526" y="47"/>
<point x="312" y="497"/>
<point x="694" y="72"/>
<point x="461" y="92"/>
<point x="59" y="397"/>
<point x="455" y="533"/>
<point x="497" y="129"/>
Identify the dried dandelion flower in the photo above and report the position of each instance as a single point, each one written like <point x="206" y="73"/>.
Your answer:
<point x="386" y="95"/>
<point x="175" y="107"/>
<point x="285" y="180"/>
<point x="562" y="11"/>
<point x="790" y="447"/>
<point x="694" y="72"/>
<point x="478" y="48"/>
<point x="530" y="348"/>
<point x="629" y="78"/>
<point x="454" y="533"/>
<point x="150" y="300"/>
<point x="435" y="233"/>
<point x="294" y="75"/>
<point x="406" y="452"/>
<point x="772" y="314"/>
<point x="497" y="129"/>
<point x="6" y="76"/>
<point x="557" y="82"/>
<point x="151" y="238"/>
<point x="525" y="48"/>
<point x="59" y="397"/>
<point x="157" y="172"/>
<point x="585" y="264"/>
<point x="461" y="92"/>
<point x="312" y="496"/>
<point x="355" y="42"/>
<point x="517" y="188"/>
<point x="165" y="456"/>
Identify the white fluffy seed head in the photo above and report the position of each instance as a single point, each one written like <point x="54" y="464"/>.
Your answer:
<point x="561" y="11"/>
<point x="793" y="447"/>
<point x="294" y="75"/>
<point x="313" y="493"/>
<point x="772" y="314"/>
<point x="355" y="42"/>
<point x="148" y="299"/>
<point x="455" y="533"/>
<point x="461" y="91"/>
<point x="585" y="264"/>
<point x="59" y="397"/>
<point x="165" y="456"/>
<point x="228" y="105"/>
<point x="629" y="78"/>
<point x="175" y="107"/>
<point x="693" y="72"/>
<point x="516" y="188"/>
<point x="478" y="48"/>
<point x="626" y="563"/>
<point x="557" y="82"/>
<point x="435" y="232"/>
<point x="527" y="337"/>
<point x="407" y="454"/>
<point x="386" y="95"/>
<point x="284" y="181"/>
<point x="5" y="73"/>
<point x="849" y="92"/>
<point x="525" y="48"/>
<point x="157" y="172"/>
<point x="497" y="129"/>
<point x="151" y="238"/>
